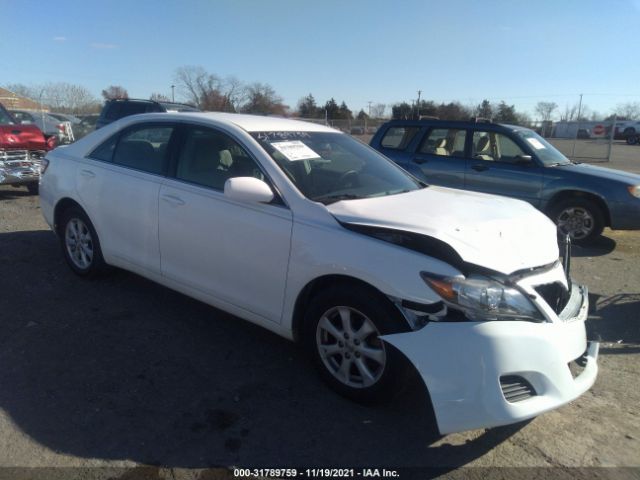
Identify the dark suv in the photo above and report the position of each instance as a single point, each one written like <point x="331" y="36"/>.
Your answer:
<point x="516" y="162"/>
<point x="123" y="107"/>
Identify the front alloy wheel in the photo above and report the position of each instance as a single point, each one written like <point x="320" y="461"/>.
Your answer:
<point x="343" y="326"/>
<point x="348" y="344"/>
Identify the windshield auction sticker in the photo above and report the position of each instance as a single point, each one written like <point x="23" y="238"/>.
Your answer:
<point x="295" y="150"/>
<point x="535" y="143"/>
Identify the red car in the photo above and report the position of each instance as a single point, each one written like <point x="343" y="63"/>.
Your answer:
<point x="22" y="147"/>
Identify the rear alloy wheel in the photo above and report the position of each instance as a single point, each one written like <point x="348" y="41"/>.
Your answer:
<point x="581" y="218"/>
<point x="343" y="326"/>
<point x="80" y="244"/>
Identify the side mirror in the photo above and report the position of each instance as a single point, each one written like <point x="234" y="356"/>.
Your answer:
<point x="247" y="189"/>
<point x="523" y="159"/>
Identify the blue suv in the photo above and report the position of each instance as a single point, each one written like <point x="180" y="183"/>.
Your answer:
<point x="516" y="162"/>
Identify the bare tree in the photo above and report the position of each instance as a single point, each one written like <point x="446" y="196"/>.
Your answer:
<point x="114" y="91"/>
<point x="629" y="110"/>
<point x="159" y="97"/>
<point x="22" y="90"/>
<point x="377" y="110"/>
<point x="261" y="98"/>
<point x="208" y="91"/>
<point x="545" y="110"/>
<point x="569" y="113"/>
<point x="60" y="97"/>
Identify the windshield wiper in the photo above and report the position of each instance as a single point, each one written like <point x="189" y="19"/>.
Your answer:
<point x="327" y="199"/>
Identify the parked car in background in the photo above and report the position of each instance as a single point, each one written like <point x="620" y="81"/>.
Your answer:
<point x="22" y="148"/>
<point x="628" y="130"/>
<point x="66" y="117"/>
<point x="277" y="221"/>
<point x="515" y="162"/>
<point x="69" y="122"/>
<point x="583" y="133"/>
<point x="49" y="125"/>
<point x="87" y="125"/>
<point x="118" y="108"/>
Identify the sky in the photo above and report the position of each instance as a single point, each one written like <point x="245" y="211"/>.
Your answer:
<point x="355" y="51"/>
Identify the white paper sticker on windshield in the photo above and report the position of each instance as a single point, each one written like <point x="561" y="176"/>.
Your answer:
<point x="295" y="150"/>
<point x="535" y="143"/>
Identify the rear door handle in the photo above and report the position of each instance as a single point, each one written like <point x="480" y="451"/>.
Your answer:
<point x="479" y="167"/>
<point x="420" y="160"/>
<point x="87" y="173"/>
<point x="173" y="200"/>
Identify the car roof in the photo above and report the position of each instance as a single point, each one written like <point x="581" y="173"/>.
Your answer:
<point x="249" y="123"/>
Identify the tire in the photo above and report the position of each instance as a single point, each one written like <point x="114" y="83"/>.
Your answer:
<point x="33" y="188"/>
<point x="580" y="217"/>
<point x="630" y="136"/>
<point x="80" y="244"/>
<point x="331" y="344"/>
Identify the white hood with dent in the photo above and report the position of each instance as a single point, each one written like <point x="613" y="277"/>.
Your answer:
<point x="495" y="232"/>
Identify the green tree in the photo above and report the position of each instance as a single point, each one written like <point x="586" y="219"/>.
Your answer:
<point x="344" y="112"/>
<point x="401" y="111"/>
<point x="484" y="110"/>
<point x="332" y="109"/>
<point x="506" y="114"/>
<point x="307" y="107"/>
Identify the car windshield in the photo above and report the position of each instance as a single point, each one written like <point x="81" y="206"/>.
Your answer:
<point x="5" y="117"/>
<point x="327" y="167"/>
<point x="547" y="153"/>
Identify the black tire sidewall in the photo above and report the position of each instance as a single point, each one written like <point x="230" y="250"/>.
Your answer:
<point x="97" y="263"/>
<point x="387" y="320"/>
<point x="592" y="207"/>
<point x="33" y="188"/>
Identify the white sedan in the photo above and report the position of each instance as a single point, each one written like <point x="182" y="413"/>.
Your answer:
<point x="309" y="233"/>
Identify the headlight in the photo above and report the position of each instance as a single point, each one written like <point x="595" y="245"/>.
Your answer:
<point x="482" y="298"/>
<point x="634" y="190"/>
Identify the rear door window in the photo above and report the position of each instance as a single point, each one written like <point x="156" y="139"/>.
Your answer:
<point x="144" y="148"/>
<point x="399" y="137"/>
<point x="446" y="142"/>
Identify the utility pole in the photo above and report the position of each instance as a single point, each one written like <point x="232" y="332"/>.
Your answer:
<point x="369" y="102"/>
<point x="418" y="105"/>
<point x="173" y="97"/>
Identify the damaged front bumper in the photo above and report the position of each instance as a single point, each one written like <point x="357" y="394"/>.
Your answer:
<point x="18" y="171"/>
<point x="487" y="374"/>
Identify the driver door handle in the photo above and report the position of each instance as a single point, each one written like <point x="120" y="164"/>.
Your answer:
<point x="87" y="173"/>
<point x="420" y="160"/>
<point x="173" y="200"/>
<point x="478" y="167"/>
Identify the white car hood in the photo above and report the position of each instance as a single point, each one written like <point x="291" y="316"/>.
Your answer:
<point x="494" y="232"/>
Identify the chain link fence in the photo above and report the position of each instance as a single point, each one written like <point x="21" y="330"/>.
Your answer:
<point x="585" y="141"/>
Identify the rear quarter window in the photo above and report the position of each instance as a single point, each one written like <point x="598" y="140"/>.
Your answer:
<point x="398" y="137"/>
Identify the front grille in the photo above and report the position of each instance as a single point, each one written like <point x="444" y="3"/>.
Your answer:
<point x="37" y="154"/>
<point x="516" y="388"/>
<point x="554" y="294"/>
<point x="14" y="155"/>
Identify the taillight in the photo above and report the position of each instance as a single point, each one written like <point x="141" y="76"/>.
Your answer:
<point x="44" y="163"/>
<point x="60" y="127"/>
<point x="52" y="142"/>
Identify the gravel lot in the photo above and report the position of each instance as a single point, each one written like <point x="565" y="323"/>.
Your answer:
<point x="121" y="372"/>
